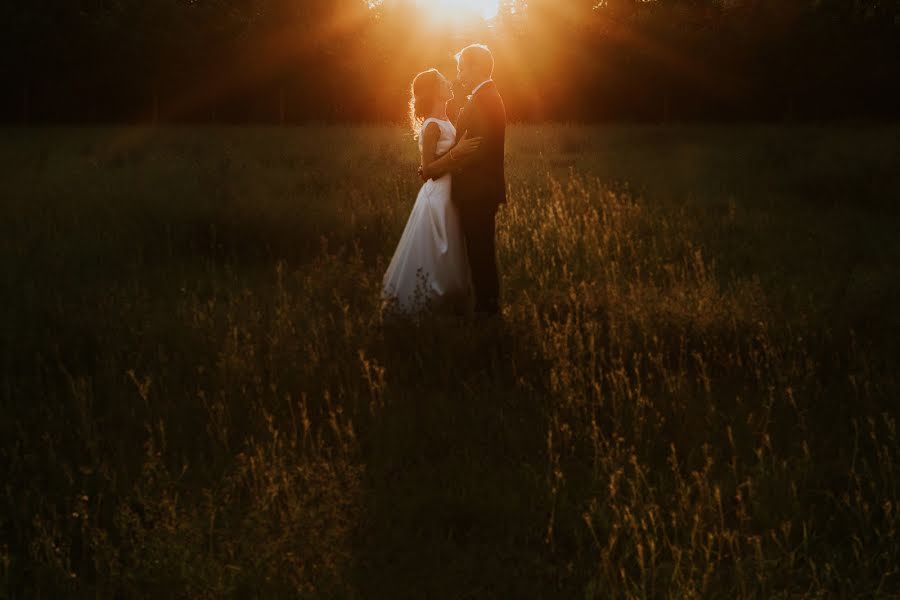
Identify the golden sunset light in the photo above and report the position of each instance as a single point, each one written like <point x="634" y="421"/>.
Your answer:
<point x="487" y="9"/>
<point x="450" y="299"/>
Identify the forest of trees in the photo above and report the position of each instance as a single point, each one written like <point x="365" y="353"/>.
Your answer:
<point x="293" y="61"/>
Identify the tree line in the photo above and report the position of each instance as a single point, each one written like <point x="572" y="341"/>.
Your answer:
<point x="294" y="61"/>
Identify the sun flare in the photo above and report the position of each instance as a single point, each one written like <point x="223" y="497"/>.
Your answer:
<point x="486" y="9"/>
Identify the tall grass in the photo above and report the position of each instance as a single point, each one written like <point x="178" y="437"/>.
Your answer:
<point x="692" y="393"/>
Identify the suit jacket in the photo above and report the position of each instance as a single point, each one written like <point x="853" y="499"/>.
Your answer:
<point x="481" y="182"/>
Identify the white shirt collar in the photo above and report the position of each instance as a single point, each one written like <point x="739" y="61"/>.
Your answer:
<point x="478" y="87"/>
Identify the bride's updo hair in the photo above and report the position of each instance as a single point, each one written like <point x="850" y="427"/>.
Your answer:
<point x="425" y="88"/>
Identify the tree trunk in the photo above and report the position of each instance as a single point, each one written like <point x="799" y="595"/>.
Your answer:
<point x="26" y="105"/>
<point x="156" y="104"/>
<point x="281" y="106"/>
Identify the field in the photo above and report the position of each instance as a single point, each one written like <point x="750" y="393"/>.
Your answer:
<point x="693" y="392"/>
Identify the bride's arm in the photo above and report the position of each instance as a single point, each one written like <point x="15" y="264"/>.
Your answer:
<point x="434" y="166"/>
<point x="430" y="136"/>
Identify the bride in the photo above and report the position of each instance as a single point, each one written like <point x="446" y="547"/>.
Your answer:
<point x="429" y="268"/>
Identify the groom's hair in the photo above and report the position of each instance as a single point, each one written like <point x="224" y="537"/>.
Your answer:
<point x="479" y="56"/>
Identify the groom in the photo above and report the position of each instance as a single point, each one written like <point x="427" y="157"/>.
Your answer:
<point x="479" y="182"/>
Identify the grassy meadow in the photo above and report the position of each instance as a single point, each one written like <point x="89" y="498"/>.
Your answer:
<point x="693" y="392"/>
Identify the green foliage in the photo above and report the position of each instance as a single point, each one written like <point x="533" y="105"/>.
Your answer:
<point x="692" y="392"/>
<point x="298" y="61"/>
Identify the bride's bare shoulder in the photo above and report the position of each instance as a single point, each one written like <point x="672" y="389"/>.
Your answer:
<point x="431" y="132"/>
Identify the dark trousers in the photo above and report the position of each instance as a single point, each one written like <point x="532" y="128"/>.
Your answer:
<point x="479" y="225"/>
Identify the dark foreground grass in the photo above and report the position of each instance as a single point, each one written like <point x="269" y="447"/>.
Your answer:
<point x="693" y="392"/>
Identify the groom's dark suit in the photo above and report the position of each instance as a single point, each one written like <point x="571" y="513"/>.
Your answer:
<point x="479" y="187"/>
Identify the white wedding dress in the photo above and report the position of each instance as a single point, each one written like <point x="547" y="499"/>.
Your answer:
<point x="429" y="269"/>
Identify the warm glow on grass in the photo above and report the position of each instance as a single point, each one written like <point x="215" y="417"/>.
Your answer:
<point x="487" y="9"/>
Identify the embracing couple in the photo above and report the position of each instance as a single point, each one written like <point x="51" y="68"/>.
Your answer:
<point x="446" y="257"/>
